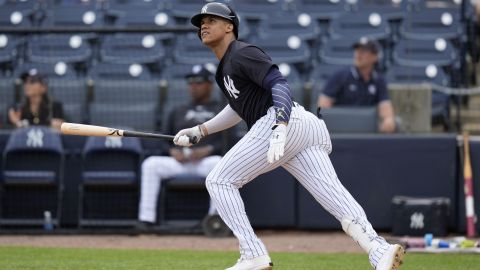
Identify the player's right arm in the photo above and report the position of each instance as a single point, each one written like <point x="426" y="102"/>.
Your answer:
<point x="225" y="119"/>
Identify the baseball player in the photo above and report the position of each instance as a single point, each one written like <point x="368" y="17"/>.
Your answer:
<point x="198" y="160"/>
<point x="281" y="133"/>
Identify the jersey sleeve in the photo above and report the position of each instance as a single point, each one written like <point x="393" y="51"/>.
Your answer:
<point x="253" y="63"/>
<point x="382" y="90"/>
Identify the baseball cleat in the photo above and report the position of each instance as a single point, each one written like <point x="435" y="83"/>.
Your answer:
<point x="258" y="263"/>
<point x="392" y="259"/>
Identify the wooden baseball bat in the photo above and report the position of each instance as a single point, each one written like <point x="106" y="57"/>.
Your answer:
<point x="90" y="130"/>
<point x="468" y="188"/>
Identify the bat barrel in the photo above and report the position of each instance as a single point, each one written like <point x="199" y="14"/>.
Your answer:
<point x="91" y="130"/>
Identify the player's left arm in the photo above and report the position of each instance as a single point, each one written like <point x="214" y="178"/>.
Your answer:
<point x="281" y="95"/>
<point x="282" y="102"/>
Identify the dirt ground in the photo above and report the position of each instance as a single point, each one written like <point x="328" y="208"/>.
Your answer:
<point x="324" y="242"/>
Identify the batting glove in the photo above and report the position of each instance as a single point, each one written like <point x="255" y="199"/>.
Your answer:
<point x="188" y="137"/>
<point x="277" y="143"/>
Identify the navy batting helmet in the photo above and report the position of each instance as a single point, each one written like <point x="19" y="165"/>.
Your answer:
<point x="220" y="10"/>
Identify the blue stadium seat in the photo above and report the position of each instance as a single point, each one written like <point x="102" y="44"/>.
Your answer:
<point x="132" y="48"/>
<point x="120" y="98"/>
<point x="126" y="92"/>
<point x="285" y="49"/>
<point x="114" y="71"/>
<point x="437" y="4"/>
<point x="73" y="96"/>
<point x="321" y="9"/>
<point x="138" y="117"/>
<point x="183" y="199"/>
<point x="351" y="119"/>
<point x="318" y="78"/>
<point x="432" y="24"/>
<point x="15" y="16"/>
<point x="132" y="5"/>
<point x="390" y="10"/>
<point x="32" y="171"/>
<point x="257" y="9"/>
<point x="58" y="70"/>
<point x="190" y="50"/>
<point x="361" y="24"/>
<point x="56" y="48"/>
<point x="184" y="9"/>
<point x="142" y="17"/>
<point x="283" y="24"/>
<point x="340" y="51"/>
<point x="20" y="4"/>
<point x="417" y="75"/>
<point x="7" y="99"/>
<point x="74" y="15"/>
<point x="421" y="53"/>
<point x="8" y="49"/>
<point x="110" y="182"/>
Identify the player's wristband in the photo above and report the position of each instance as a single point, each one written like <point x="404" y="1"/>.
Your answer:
<point x="203" y="130"/>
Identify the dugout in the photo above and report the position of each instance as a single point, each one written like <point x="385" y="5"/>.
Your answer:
<point x="373" y="167"/>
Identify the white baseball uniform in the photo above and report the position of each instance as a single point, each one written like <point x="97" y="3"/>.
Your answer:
<point x="157" y="168"/>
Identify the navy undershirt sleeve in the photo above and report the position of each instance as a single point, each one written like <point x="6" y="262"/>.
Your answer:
<point x="281" y="94"/>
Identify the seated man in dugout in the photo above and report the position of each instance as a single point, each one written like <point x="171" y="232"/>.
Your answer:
<point x="198" y="160"/>
<point x="361" y="85"/>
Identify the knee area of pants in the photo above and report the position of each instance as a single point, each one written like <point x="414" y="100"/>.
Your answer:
<point x="151" y="163"/>
<point x="210" y="182"/>
<point x="346" y="222"/>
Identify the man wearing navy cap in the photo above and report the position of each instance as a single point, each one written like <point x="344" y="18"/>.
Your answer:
<point x="361" y="85"/>
<point x="198" y="160"/>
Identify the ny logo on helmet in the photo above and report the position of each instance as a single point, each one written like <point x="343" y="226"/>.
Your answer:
<point x="204" y="9"/>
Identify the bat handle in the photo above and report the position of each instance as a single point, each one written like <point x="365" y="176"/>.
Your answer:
<point x="128" y="133"/>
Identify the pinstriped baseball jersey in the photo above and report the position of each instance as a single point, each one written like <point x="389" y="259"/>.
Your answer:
<point x="240" y="75"/>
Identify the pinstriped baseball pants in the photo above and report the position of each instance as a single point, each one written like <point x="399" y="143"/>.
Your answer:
<point x="306" y="158"/>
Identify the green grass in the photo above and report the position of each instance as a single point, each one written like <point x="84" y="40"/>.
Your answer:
<point x="13" y="258"/>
